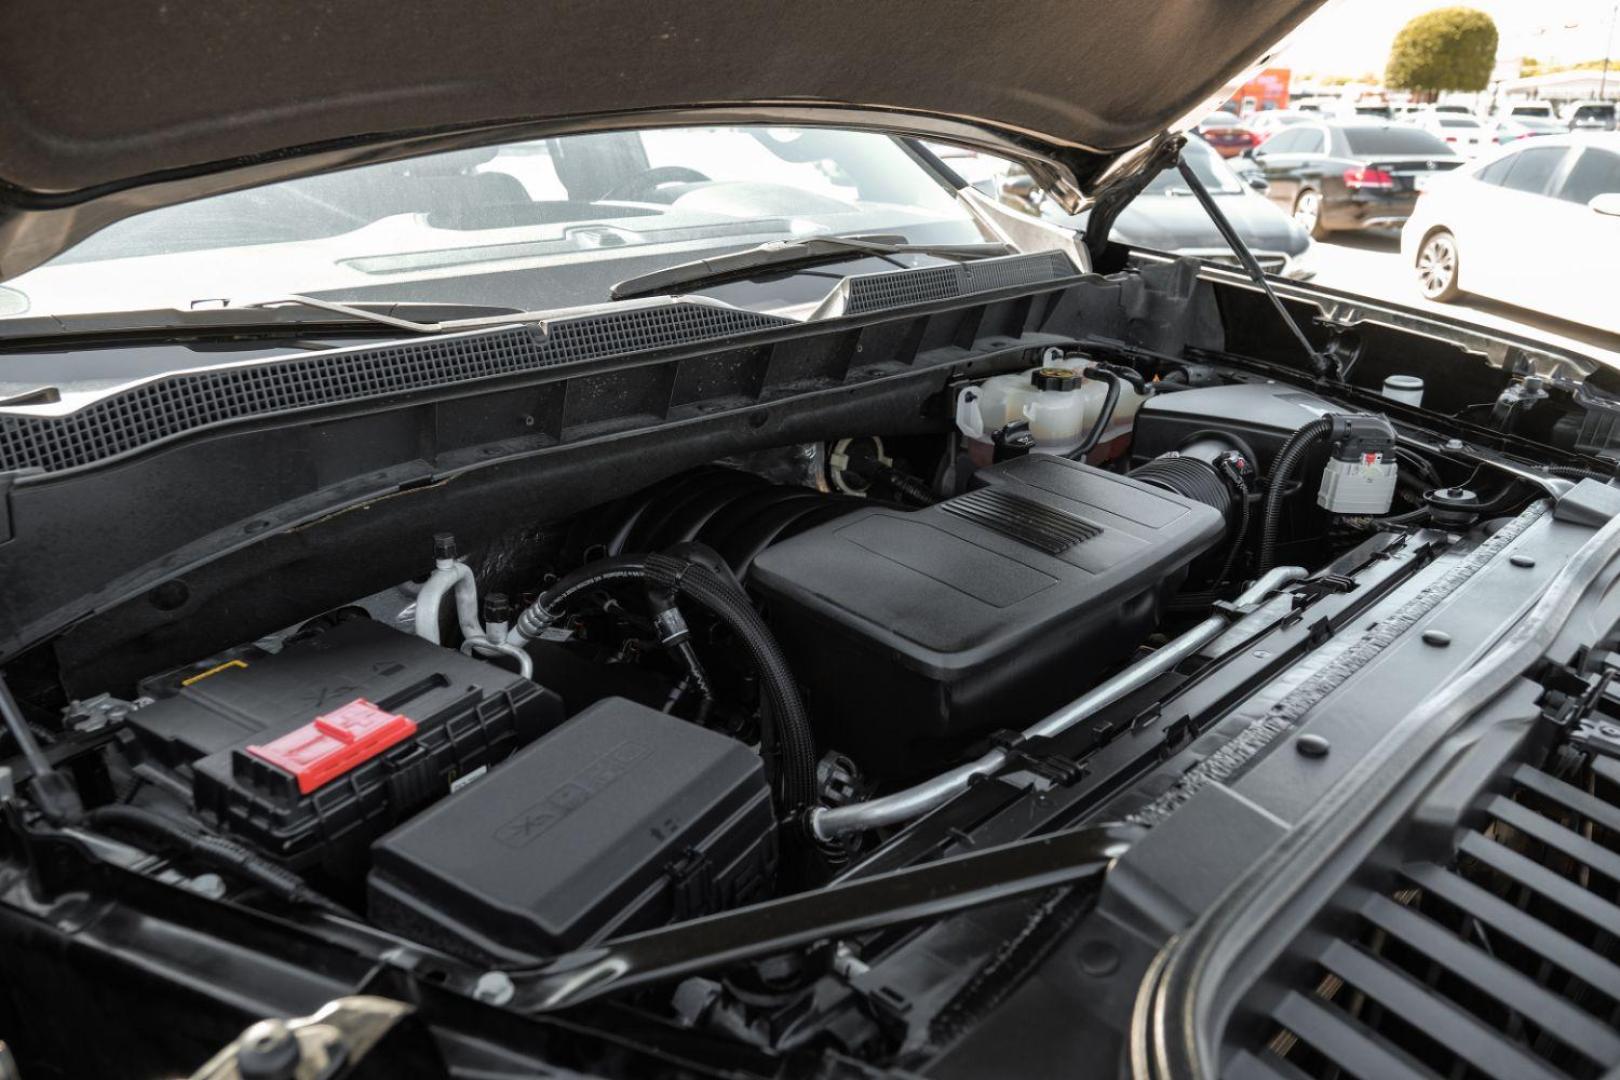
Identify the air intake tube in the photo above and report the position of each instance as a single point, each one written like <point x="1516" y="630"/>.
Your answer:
<point x="1190" y="478"/>
<point x="696" y="573"/>
<point x="1216" y="470"/>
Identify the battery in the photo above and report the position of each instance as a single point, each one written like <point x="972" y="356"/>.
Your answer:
<point x="311" y="753"/>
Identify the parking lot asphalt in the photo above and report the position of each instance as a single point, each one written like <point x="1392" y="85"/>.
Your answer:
<point x="1370" y="263"/>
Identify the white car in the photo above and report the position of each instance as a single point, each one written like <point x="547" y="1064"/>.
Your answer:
<point x="1267" y="124"/>
<point x="1467" y="136"/>
<point x="1536" y="225"/>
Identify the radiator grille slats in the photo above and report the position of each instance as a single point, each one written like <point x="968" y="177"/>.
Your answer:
<point x="1555" y="836"/>
<point x="1577" y="1029"/>
<point x="1418" y="1005"/>
<point x="1500" y="962"/>
<point x="1569" y="797"/>
<point x="1532" y="875"/>
<point x="1498" y="914"/>
<point x="1247" y="1066"/>
<point x="1342" y="1039"/>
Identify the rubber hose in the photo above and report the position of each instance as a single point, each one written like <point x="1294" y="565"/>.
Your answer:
<point x="1238" y="535"/>
<point x="1575" y="472"/>
<point x="216" y="851"/>
<point x="699" y="679"/>
<point x="1282" y="469"/>
<point x="787" y="730"/>
<point x="790" y="748"/>
<point x="544" y="611"/>
<point x="1097" y="371"/>
<point x="1408" y="518"/>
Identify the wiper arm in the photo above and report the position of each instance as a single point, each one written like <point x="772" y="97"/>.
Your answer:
<point x="288" y="312"/>
<point x="1321" y="364"/>
<point x="368" y="313"/>
<point x="783" y="254"/>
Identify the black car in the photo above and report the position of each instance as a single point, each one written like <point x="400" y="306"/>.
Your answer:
<point x="498" y="578"/>
<point x="1592" y="116"/>
<point x="1351" y="175"/>
<point x="1165" y="216"/>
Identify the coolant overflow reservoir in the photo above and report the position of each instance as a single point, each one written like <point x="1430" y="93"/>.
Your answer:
<point x="1060" y="402"/>
<point x="1060" y="406"/>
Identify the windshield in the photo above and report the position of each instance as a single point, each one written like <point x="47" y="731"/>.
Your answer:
<point x="1217" y="176"/>
<point x="1395" y="140"/>
<point x="539" y="224"/>
<point x="1457" y="122"/>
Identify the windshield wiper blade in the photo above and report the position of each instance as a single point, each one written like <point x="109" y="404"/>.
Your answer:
<point x="783" y="254"/>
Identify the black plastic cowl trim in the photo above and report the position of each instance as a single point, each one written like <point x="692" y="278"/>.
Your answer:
<point x="154" y="411"/>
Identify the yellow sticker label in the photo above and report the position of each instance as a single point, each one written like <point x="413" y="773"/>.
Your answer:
<point x="215" y="670"/>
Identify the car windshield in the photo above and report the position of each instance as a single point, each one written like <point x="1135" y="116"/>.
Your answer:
<point x="568" y="216"/>
<point x="1595" y="112"/>
<point x="1217" y="176"/>
<point x="1458" y="122"/>
<point x="1394" y="140"/>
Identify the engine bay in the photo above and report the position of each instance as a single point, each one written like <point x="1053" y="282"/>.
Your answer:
<point x="779" y="673"/>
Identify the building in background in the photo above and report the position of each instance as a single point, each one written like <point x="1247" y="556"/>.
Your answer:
<point x="1561" y="86"/>
<point x="1268" y="90"/>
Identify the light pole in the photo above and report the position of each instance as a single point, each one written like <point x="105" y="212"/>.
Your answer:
<point x="1608" y="47"/>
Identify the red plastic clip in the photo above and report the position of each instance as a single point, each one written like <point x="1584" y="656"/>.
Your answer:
<point x="331" y="745"/>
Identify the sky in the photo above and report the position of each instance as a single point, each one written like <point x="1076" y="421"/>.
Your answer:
<point x="1349" y="37"/>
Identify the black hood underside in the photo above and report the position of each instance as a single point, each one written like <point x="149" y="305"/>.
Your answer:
<point x="114" y="109"/>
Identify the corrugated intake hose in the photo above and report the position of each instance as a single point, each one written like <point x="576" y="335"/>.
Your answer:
<point x="1282" y="470"/>
<point x="216" y="851"/>
<point x="1188" y="477"/>
<point x="789" y="749"/>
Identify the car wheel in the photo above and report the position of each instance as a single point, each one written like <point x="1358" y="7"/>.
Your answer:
<point x="1308" y="212"/>
<point x="1437" y="267"/>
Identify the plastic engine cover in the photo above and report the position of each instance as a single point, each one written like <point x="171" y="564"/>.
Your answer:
<point x="622" y="819"/>
<point x="915" y="632"/>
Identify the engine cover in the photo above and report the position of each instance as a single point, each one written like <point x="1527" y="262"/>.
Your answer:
<point x="916" y="632"/>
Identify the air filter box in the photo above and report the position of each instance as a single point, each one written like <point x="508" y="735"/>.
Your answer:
<point x="1258" y="416"/>
<point x="622" y="819"/>
<point x="915" y="632"/>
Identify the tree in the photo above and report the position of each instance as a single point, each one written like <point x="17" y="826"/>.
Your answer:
<point x="1447" y="49"/>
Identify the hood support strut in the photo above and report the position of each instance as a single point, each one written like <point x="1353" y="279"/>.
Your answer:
<point x="851" y="907"/>
<point x="1324" y="366"/>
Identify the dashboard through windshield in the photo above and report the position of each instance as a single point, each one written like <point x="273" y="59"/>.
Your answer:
<point x="537" y="224"/>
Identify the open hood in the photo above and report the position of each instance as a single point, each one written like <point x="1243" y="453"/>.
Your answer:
<point x="110" y="110"/>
